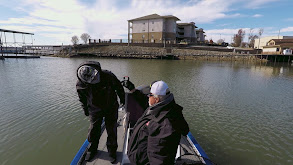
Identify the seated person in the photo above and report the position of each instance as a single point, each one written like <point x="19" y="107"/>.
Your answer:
<point x="157" y="132"/>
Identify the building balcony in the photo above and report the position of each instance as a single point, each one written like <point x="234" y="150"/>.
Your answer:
<point x="180" y="30"/>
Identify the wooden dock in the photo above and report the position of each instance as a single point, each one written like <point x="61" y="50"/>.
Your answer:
<point x="25" y="57"/>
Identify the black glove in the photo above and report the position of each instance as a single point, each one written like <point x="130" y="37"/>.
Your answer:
<point x="86" y="111"/>
<point x="128" y="84"/>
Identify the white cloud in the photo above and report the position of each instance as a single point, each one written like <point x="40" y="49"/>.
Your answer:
<point x="288" y="29"/>
<point x="289" y="19"/>
<point x="258" y="3"/>
<point x="61" y="19"/>
<point x="257" y="15"/>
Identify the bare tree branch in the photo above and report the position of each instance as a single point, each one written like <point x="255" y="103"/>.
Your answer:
<point x="74" y="40"/>
<point x="85" y="37"/>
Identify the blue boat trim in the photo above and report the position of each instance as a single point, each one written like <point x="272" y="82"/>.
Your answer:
<point x="80" y="153"/>
<point x="200" y="150"/>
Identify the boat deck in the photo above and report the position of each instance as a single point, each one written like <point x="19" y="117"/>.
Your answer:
<point x="185" y="152"/>
<point x="102" y="157"/>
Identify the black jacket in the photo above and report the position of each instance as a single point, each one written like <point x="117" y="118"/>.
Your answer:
<point x="157" y="133"/>
<point x="101" y="96"/>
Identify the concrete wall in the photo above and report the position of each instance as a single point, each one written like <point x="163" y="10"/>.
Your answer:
<point x="152" y="25"/>
<point x="200" y="36"/>
<point x="187" y="31"/>
<point x="170" y="36"/>
<point x="151" y="36"/>
<point x="170" y="26"/>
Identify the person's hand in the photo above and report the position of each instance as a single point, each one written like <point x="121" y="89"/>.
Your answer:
<point x="86" y="112"/>
<point x="128" y="84"/>
<point x="122" y="103"/>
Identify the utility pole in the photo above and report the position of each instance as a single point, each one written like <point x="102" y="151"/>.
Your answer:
<point x="148" y="31"/>
<point x="1" y="48"/>
<point x="128" y="33"/>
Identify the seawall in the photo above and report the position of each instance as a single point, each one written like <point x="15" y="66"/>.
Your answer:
<point x="186" y="53"/>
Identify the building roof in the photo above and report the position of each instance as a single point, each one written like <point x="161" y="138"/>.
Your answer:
<point x="12" y="31"/>
<point x="282" y="41"/>
<point x="154" y="16"/>
<point x="279" y="45"/>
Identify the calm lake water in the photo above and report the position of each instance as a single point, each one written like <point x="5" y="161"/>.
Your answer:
<point x="240" y="113"/>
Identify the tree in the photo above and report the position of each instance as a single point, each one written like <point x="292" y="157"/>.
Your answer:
<point x="244" y="44"/>
<point x="251" y="38"/>
<point x="74" y="40"/>
<point x="85" y="37"/>
<point x="238" y="38"/>
<point x="259" y="35"/>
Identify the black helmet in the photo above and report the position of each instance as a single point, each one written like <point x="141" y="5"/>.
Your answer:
<point x="89" y="72"/>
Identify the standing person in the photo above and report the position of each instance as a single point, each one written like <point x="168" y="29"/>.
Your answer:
<point x="156" y="134"/>
<point x="97" y="90"/>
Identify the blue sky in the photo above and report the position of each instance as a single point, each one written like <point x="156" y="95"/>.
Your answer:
<point x="56" y="21"/>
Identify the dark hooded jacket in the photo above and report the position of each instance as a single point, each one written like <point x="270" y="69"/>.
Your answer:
<point x="157" y="133"/>
<point x="100" y="96"/>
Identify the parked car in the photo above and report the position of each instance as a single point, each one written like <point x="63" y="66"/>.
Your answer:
<point x="287" y="52"/>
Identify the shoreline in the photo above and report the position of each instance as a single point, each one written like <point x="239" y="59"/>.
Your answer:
<point x="171" y="53"/>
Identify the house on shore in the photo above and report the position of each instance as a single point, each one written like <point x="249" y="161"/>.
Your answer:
<point x="261" y="42"/>
<point x="158" y="29"/>
<point x="277" y="46"/>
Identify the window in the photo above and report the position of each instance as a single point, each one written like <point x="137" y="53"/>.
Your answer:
<point x="153" y="22"/>
<point x="152" y="29"/>
<point x="143" y="30"/>
<point x="143" y="23"/>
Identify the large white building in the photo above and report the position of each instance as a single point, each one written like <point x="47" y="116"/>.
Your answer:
<point x="152" y="29"/>
<point x="158" y="29"/>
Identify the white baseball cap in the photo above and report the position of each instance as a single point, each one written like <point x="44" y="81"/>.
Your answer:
<point x="160" y="88"/>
